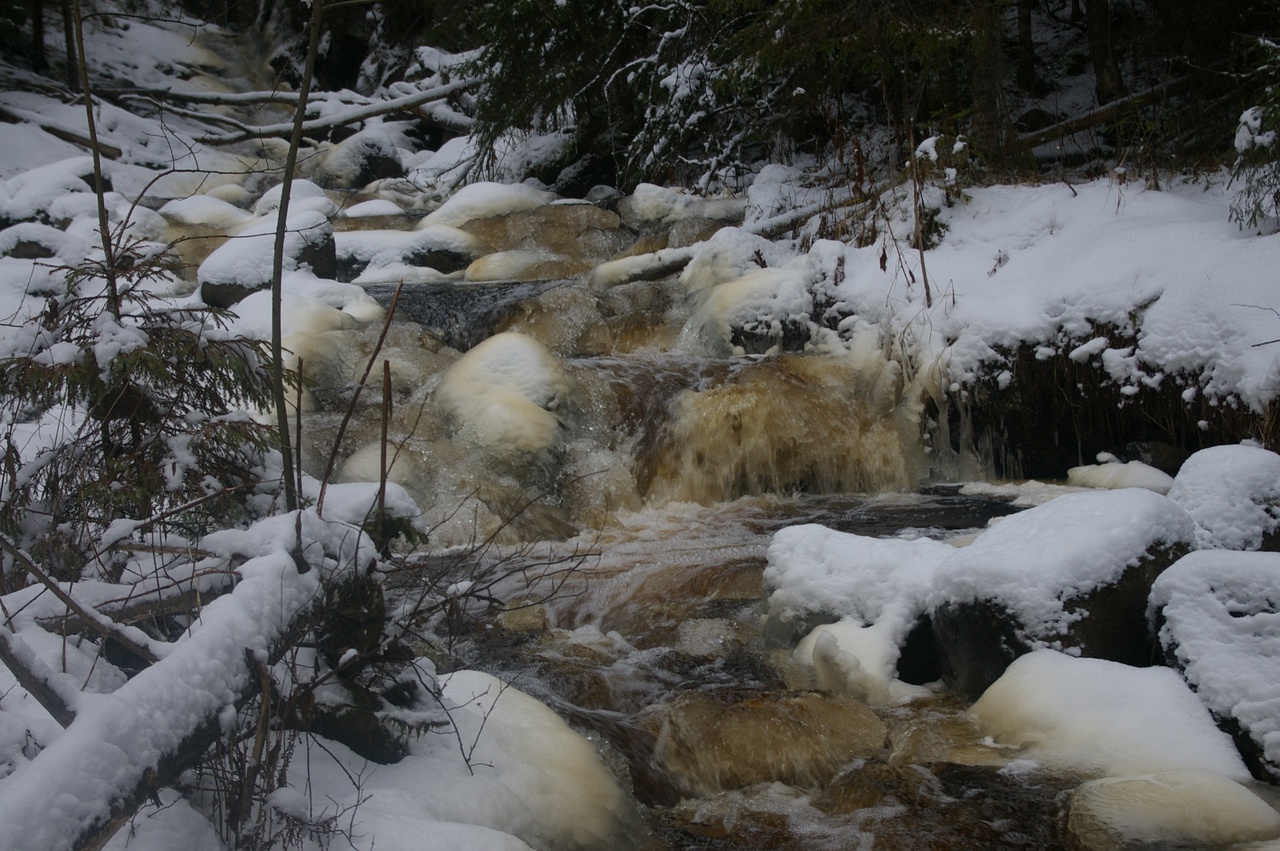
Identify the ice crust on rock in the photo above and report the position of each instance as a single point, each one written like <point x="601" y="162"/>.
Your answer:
<point x="1104" y="718"/>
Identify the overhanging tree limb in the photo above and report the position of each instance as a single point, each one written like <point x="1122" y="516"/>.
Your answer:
<point x="350" y="116"/>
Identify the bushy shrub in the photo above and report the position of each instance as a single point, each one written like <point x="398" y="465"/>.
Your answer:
<point x="1257" y="165"/>
<point x="124" y="408"/>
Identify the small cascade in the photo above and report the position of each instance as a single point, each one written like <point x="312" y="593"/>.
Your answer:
<point x="631" y="419"/>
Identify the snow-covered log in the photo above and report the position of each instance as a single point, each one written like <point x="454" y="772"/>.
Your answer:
<point x="123" y="746"/>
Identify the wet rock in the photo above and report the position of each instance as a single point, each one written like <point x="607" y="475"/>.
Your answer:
<point x="707" y="742"/>
<point x="567" y="320"/>
<point x="874" y="784"/>
<point x="579" y="230"/>
<point x="359" y="160"/>
<point x="1073" y="573"/>
<point x="945" y="807"/>
<point x="667" y="599"/>
<point x="691" y="231"/>
<point x="524" y="616"/>
<point x="1217" y="614"/>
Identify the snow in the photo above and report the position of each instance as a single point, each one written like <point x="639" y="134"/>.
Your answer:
<point x="247" y="257"/>
<point x="1183" y="808"/>
<point x="1150" y="286"/>
<point x="504" y="394"/>
<point x="1233" y="495"/>
<point x="116" y="738"/>
<point x="1219" y="620"/>
<point x="483" y="200"/>
<point x="1103" y="718"/>
<point x="1035" y="560"/>
<point x="1120" y="474"/>
<point x="508" y="763"/>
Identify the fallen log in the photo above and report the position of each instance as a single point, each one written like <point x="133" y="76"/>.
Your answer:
<point x="1107" y="112"/>
<point x="116" y="752"/>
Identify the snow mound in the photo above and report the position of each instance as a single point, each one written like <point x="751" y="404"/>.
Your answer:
<point x="205" y="210"/>
<point x="303" y="195"/>
<point x="816" y="569"/>
<point x="1117" y="474"/>
<point x="1220" y="625"/>
<point x="651" y="205"/>
<point x="509" y="766"/>
<point x="246" y="259"/>
<point x="1104" y="718"/>
<point x="482" y="200"/>
<point x="1233" y="495"/>
<point x="767" y="304"/>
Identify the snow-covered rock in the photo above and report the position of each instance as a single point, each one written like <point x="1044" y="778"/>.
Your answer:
<point x="1233" y="495"/>
<point x="359" y="160"/>
<point x="1072" y="573"/>
<point x="243" y="264"/>
<point x="505" y="394"/>
<point x="483" y="200"/>
<point x="373" y="255"/>
<point x="1181" y="809"/>
<point x="1218" y="614"/>
<point x="1120" y="474"/>
<point x="867" y="596"/>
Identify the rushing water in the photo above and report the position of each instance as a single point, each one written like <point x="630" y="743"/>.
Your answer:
<point x="607" y="496"/>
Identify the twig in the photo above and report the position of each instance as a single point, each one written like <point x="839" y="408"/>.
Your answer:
<point x="346" y="417"/>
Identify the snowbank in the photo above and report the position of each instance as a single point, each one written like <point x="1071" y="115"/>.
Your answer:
<point x="504" y="394"/>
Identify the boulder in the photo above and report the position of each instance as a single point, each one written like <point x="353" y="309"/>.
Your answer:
<point x="1218" y="619"/>
<point x="1071" y="574"/>
<point x="707" y="742"/>
<point x="1233" y="495"/>
<point x="577" y="229"/>
<point x="243" y="264"/>
<point x="359" y="160"/>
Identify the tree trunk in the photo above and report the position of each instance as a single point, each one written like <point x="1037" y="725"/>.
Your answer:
<point x="1109" y="83"/>
<point x="987" y="130"/>
<point x="39" y="62"/>
<point x="69" y="37"/>
<point x="1026" y="47"/>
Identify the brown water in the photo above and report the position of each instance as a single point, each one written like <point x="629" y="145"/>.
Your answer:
<point x="615" y="555"/>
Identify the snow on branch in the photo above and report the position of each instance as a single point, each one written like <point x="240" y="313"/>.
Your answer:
<point x="121" y="747"/>
<point x="359" y="113"/>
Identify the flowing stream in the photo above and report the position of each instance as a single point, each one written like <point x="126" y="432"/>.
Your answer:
<point x="601" y="495"/>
